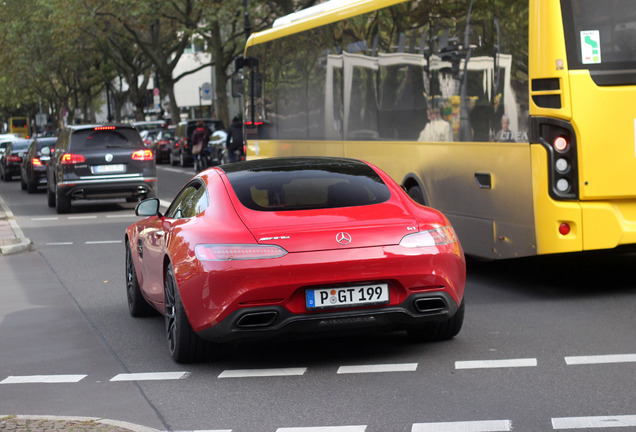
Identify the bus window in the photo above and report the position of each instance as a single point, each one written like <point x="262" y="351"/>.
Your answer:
<point x="19" y="126"/>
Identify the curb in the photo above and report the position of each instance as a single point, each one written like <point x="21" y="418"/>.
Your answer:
<point x="62" y="424"/>
<point x="21" y="243"/>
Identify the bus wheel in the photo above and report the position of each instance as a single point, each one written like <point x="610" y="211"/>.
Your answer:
<point x="416" y="194"/>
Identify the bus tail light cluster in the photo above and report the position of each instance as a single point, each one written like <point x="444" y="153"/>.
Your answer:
<point x="558" y="138"/>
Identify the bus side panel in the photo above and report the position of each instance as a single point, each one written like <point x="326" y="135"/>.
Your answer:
<point x="550" y="214"/>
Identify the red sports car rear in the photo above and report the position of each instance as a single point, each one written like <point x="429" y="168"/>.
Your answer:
<point x="294" y="246"/>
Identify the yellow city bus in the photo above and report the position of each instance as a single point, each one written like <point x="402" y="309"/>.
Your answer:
<point x="516" y="118"/>
<point x="19" y="126"/>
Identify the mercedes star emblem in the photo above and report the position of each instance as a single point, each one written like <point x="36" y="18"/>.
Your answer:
<point x="109" y="157"/>
<point x="343" y="238"/>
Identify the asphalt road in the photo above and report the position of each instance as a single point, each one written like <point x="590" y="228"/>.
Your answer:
<point x="548" y="343"/>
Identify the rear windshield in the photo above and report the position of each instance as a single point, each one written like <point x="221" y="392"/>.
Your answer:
<point x="116" y="138"/>
<point x="20" y="145"/>
<point x="601" y="37"/>
<point x="307" y="186"/>
<point x="46" y="143"/>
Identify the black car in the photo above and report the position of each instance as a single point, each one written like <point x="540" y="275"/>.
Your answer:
<point x="11" y="158"/>
<point x="181" y="153"/>
<point x="100" y="162"/>
<point x="33" y="165"/>
<point x="163" y="144"/>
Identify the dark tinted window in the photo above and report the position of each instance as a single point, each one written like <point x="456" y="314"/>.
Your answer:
<point x="116" y="138"/>
<point x="305" y="184"/>
<point x="601" y="36"/>
<point x="45" y="142"/>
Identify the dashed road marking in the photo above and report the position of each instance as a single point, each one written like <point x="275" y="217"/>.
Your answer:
<point x="82" y="217"/>
<point x="103" y="242"/>
<point x="493" y="364"/>
<point x="150" y="376"/>
<point x="593" y="422"/>
<point x="404" y="367"/>
<point x="357" y="428"/>
<point x="43" y="379"/>
<point x="601" y="359"/>
<point x="464" y="426"/>
<point x="251" y="373"/>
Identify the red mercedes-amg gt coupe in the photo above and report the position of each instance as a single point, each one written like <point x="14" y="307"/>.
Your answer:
<point x="293" y="246"/>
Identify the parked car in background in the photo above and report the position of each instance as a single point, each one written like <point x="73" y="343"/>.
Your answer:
<point x="181" y="151"/>
<point x="152" y="124"/>
<point x="33" y="165"/>
<point x="293" y="246"/>
<point x="163" y="144"/>
<point x="98" y="162"/>
<point x="11" y="157"/>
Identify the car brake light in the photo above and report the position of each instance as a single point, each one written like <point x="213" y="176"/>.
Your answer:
<point x="13" y="158"/>
<point x="71" y="159"/>
<point x="36" y="162"/>
<point x="99" y="128"/>
<point x="561" y="144"/>
<point x="435" y="237"/>
<point x="231" y="252"/>
<point x="142" y="155"/>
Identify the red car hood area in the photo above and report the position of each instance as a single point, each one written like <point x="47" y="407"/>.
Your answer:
<point x="339" y="228"/>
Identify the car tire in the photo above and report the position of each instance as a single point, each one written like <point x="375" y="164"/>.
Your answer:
<point x="62" y="202"/>
<point x="183" y="343"/>
<point x="31" y="186"/>
<point x="50" y="197"/>
<point x="438" y="331"/>
<point x="173" y="161"/>
<point x="182" y="163"/>
<point x="23" y="184"/>
<point x="415" y="192"/>
<point x="137" y="305"/>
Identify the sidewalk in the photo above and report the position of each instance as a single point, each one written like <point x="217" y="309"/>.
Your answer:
<point x="66" y="424"/>
<point x="12" y="239"/>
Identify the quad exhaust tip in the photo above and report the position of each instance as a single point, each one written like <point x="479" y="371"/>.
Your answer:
<point x="430" y="305"/>
<point x="257" y="319"/>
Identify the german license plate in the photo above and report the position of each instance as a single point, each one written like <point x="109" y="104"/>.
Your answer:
<point x="108" y="169"/>
<point x="361" y="295"/>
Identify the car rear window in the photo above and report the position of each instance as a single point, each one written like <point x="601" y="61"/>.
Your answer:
<point x="280" y="186"/>
<point x="20" y="145"/>
<point x="105" y="138"/>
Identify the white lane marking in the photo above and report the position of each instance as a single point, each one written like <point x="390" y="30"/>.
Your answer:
<point x="103" y="242"/>
<point x="601" y="359"/>
<point x="464" y="426"/>
<point x="594" y="422"/>
<point x="45" y="218"/>
<point x="249" y="373"/>
<point x="56" y="379"/>
<point x="120" y="216"/>
<point x="165" y="203"/>
<point x="58" y="243"/>
<point x="490" y="364"/>
<point x="150" y="376"/>
<point x="403" y="367"/>
<point x="81" y="217"/>
<point x="357" y="428"/>
<point x="176" y="170"/>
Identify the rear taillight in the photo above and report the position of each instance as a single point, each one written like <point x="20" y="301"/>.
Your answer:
<point x="559" y="139"/>
<point x="36" y="162"/>
<point x="232" y="252"/>
<point x="142" y="155"/>
<point x="13" y="158"/>
<point x="72" y="158"/>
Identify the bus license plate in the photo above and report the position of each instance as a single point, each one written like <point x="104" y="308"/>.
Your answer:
<point x="347" y="296"/>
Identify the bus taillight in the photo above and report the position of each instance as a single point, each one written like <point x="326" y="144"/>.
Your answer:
<point x="560" y="144"/>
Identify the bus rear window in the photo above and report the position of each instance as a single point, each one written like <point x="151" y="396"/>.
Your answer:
<point x="601" y="37"/>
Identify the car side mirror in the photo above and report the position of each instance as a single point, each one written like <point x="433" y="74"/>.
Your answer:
<point x="148" y="207"/>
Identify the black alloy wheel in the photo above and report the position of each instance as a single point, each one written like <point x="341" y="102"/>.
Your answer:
<point x="137" y="305"/>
